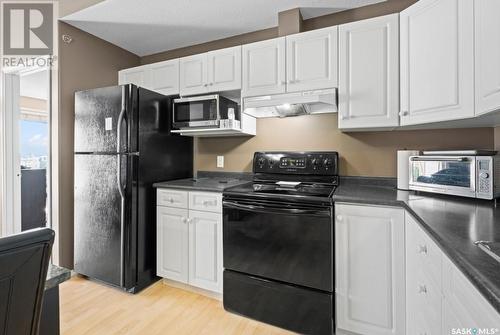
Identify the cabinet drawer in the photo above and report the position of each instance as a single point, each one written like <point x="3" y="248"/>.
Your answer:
<point x="205" y="201"/>
<point x="172" y="198"/>
<point x="422" y="252"/>
<point x="423" y="305"/>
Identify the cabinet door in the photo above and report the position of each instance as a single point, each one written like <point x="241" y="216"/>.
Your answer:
<point x="224" y="69"/>
<point x="487" y="58"/>
<point x="312" y="60"/>
<point x="464" y="302"/>
<point x="370" y="274"/>
<point x="205" y="250"/>
<point x="164" y="77"/>
<point x="172" y="243"/>
<point x="437" y="61"/>
<point x="193" y="75"/>
<point x="136" y="76"/>
<point x="369" y="73"/>
<point x="264" y="68"/>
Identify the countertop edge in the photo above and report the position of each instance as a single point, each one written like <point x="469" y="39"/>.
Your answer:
<point x="56" y="275"/>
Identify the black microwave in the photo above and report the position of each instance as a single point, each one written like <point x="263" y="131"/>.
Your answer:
<point x="203" y="111"/>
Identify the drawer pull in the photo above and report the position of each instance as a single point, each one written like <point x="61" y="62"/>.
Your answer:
<point x="209" y="203"/>
<point x="422" y="289"/>
<point x="184" y="220"/>
<point x="422" y="249"/>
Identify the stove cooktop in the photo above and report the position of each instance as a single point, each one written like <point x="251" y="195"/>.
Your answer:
<point x="291" y="175"/>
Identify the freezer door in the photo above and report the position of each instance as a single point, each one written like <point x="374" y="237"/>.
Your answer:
<point x="101" y="115"/>
<point x="103" y="219"/>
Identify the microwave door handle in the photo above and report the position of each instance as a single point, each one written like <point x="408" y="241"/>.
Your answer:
<point x="440" y="159"/>
<point x="269" y="209"/>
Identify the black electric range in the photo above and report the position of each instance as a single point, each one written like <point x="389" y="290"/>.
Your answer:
<point x="278" y="242"/>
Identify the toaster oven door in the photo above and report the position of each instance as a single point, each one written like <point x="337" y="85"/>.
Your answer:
<point x="455" y="175"/>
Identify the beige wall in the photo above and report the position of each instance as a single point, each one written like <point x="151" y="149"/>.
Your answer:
<point x="363" y="154"/>
<point x="87" y="62"/>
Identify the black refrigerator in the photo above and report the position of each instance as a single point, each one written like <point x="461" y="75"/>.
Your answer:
<point x="123" y="145"/>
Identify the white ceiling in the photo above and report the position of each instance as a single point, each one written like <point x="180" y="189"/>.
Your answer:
<point x="147" y="27"/>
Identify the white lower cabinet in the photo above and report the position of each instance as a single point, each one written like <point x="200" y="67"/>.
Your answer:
<point x="205" y="252"/>
<point x="172" y="243"/>
<point x="444" y="304"/>
<point x="369" y="262"/>
<point x="391" y="278"/>
<point x="189" y="242"/>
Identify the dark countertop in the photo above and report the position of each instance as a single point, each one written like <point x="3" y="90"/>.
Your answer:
<point x="211" y="182"/>
<point x="454" y="223"/>
<point x="56" y="275"/>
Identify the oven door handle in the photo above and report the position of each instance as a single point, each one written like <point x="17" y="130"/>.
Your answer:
<point x="439" y="159"/>
<point x="276" y="210"/>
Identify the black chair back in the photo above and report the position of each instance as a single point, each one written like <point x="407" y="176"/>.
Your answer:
<point x="24" y="261"/>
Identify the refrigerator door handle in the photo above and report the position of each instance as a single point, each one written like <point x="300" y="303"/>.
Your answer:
<point x="121" y="189"/>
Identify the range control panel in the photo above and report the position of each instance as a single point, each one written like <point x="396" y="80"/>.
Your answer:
<point x="310" y="163"/>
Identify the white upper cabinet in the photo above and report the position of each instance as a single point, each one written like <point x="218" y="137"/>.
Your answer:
<point x="312" y="60"/>
<point x="224" y="69"/>
<point x="193" y="74"/>
<point x="370" y="272"/>
<point x="164" y="77"/>
<point x="369" y="73"/>
<point x="264" y="68"/>
<point x="437" y="61"/>
<point x="136" y="76"/>
<point x="487" y="30"/>
<point x="214" y="71"/>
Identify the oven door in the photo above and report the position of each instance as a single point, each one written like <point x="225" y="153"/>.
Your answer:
<point x="454" y="175"/>
<point x="291" y="243"/>
<point x="200" y="111"/>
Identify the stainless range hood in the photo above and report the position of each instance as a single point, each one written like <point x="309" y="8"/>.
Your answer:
<point x="292" y="104"/>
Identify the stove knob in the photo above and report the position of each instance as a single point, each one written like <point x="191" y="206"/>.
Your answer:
<point x="315" y="162"/>
<point x="328" y="162"/>
<point x="262" y="161"/>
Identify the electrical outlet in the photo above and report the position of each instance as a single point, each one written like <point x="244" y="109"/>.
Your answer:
<point x="220" y="161"/>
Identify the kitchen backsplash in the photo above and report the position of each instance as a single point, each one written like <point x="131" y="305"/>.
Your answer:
<point x="362" y="154"/>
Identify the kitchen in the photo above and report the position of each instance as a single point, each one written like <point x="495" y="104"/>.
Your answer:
<point x="330" y="167"/>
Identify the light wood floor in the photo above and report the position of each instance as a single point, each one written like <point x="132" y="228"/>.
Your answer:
<point x="94" y="309"/>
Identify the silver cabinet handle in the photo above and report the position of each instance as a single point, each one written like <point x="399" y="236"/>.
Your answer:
<point x="403" y="113"/>
<point x="184" y="220"/>
<point x="422" y="249"/>
<point x="205" y="85"/>
<point x="190" y="221"/>
<point x="422" y="289"/>
<point x="339" y="218"/>
<point x="171" y="200"/>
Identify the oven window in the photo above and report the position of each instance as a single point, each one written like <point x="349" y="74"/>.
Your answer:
<point x="445" y="173"/>
<point x="195" y="111"/>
